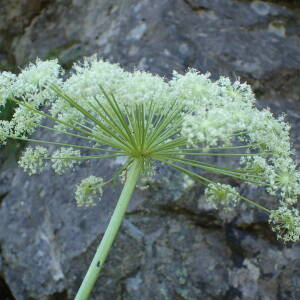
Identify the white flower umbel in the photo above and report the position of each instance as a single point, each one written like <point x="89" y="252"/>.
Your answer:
<point x="32" y="159"/>
<point x="286" y="223"/>
<point x="144" y="119"/>
<point x="221" y="195"/>
<point x="7" y="81"/>
<point x="5" y="131"/>
<point x="64" y="159"/>
<point x="88" y="191"/>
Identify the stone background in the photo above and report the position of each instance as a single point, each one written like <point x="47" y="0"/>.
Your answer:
<point x="172" y="246"/>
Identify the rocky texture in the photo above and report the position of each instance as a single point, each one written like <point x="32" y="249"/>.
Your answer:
<point x="15" y="17"/>
<point x="172" y="245"/>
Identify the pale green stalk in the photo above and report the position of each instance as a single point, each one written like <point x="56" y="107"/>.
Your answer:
<point x="111" y="231"/>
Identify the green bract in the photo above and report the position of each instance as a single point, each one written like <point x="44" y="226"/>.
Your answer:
<point x="180" y="123"/>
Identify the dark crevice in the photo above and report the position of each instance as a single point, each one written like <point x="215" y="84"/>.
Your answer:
<point x="234" y="238"/>
<point x="235" y="235"/>
<point x="40" y="7"/>
<point x="110" y="9"/>
<point x="130" y="274"/>
<point x="284" y="83"/>
<point x="59" y="296"/>
<point x="137" y="212"/>
<point x="2" y="196"/>
<point x="232" y="293"/>
<point x="5" y="293"/>
<point x="17" y="27"/>
<point x="205" y="219"/>
<point x="263" y="230"/>
<point x="195" y="7"/>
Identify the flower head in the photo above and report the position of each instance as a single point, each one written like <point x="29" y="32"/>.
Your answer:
<point x="7" y="81"/>
<point x="64" y="159"/>
<point x="89" y="190"/>
<point x="221" y="195"/>
<point x="142" y="117"/>
<point x="5" y="130"/>
<point x="286" y="223"/>
<point x="32" y="159"/>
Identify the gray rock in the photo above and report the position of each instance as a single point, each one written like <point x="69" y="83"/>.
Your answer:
<point x="172" y="245"/>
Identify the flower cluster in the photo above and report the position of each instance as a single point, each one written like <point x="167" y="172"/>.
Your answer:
<point x="31" y="87"/>
<point x="63" y="159"/>
<point x="88" y="191"/>
<point x="7" y="81"/>
<point x="141" y="116"/>
<point x="221" y="195"/>
<point x="35" y="160"/>
<point x="286" y="223"/>
<point x="32" y="159"/>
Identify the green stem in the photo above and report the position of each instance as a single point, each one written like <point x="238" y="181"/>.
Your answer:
<point x="111" y="232"/>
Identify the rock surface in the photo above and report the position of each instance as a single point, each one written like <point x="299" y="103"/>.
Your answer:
<point x="172" y="246"/>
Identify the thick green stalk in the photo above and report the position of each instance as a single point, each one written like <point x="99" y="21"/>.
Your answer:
<point x="111" y="232"/>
